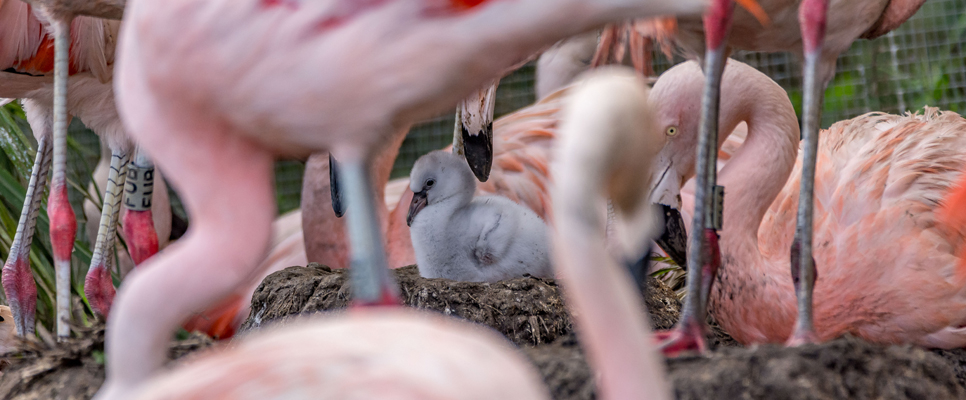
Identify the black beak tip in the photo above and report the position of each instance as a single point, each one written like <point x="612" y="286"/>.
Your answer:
<point x="478" y="150"/>
<point x="335" y="188"/>
<point x="674" y="239"/>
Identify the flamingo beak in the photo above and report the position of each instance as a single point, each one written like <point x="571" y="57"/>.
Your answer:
<point x="419" y="203"/>
<point x="674" y="239"/>
<point x="476" y="128"/>
<point x="335" y="188"/>
<point x="667" y="194"/>
<point x="667" y="190"/>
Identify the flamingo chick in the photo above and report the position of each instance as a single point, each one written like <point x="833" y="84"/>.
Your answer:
<point x="609" y="140"/>
<point x="459" y="237"/>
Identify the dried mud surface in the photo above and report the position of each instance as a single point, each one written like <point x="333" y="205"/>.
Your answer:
<point x="72" y="370"/>
<point x="530" y="312"/>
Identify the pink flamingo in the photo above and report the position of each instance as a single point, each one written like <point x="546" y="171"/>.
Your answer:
<point x="252" y="80"/>
<point x="409" y="354"/>
<point x="888" y="217"/>
<point x="27" y="56"/>
<point x="819" y="32"/>
<point x="522" y="150"/>
<point x="608" y="142"/>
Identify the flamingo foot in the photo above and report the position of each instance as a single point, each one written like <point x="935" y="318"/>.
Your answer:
<point x="142" y="238"/>
<point x="99" y="288"/>
<point x="388" y="298"/>
<point x="802" y="336"/>
<point x="688" y="336"/>
<point x="18" y="284"/>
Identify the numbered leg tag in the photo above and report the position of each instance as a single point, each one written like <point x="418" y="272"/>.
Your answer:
<point x="717" y="213"/>
<point x="139" y="187"/>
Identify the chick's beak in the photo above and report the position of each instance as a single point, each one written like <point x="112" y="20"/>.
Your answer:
<point x="419" y="202"/>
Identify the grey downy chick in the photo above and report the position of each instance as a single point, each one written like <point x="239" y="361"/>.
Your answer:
<point x="459" y="237"/>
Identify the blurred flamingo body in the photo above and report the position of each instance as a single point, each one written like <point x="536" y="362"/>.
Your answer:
<point x="314" y="93"/>
<point x="609" y="139"/>
<point x="888" y="219"/>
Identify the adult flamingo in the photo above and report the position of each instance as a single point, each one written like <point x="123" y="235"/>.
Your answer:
<point x="27" y="61"/>
<point x="818" y="32"/>
<point x="609" y="139"/>
<point x="409" y="354"/>
<point x="889" y="217"/>
<point x="215" y="56"/>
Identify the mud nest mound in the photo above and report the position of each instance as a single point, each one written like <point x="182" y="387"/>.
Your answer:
<point x="72" y="370"/>
<point x="847" y="368"/>
<point x="528" y="311"/>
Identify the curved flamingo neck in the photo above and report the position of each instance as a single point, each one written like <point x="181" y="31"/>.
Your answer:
<point x="759" y="169"/>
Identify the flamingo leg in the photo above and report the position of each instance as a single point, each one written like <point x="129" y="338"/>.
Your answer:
<point x="63" y="223"/>
<point x="18" y="280"/>
<point x="691" y="331"/>
<point x="372" y="284"/>
<point x="142" y="239"/>
<point x="208" y="264"/>
<point x="473" y="136"/>
<point x="812" y="16"/>
<point x="98" y="286"/>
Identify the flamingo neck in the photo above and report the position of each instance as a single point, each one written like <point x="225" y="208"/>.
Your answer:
<point x="610" y="319"/>
<point x="759" y="169"/>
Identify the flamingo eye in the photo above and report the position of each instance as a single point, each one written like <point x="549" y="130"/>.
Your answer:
<point x="671" y="131"/>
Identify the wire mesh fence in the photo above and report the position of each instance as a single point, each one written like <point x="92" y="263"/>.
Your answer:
<point x="922" y="63"/>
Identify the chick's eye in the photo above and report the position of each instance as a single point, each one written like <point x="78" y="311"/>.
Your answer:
<point x="430" y="183"/>
<point x="672" y="130"/>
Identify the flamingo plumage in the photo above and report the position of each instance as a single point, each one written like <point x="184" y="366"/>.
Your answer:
<point x="817" y="31"/>
<point x="27" y="58"/>
<point x="888" y="221"/>
<point x="251" y="80"/>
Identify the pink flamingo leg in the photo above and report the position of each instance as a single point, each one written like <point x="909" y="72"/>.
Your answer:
<point x="138" y="220"/>
<point x="691" y="331"/>
<point x="812" y="17"/>
<point x="63" y="224"/>
<point x="18" y="280"/>
<point x="99" y="285"/>
<point x="372" y="284"/>
<point x="238" y="198"/>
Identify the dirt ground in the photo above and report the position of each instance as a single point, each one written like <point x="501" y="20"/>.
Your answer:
<point x="531" y="313"/>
